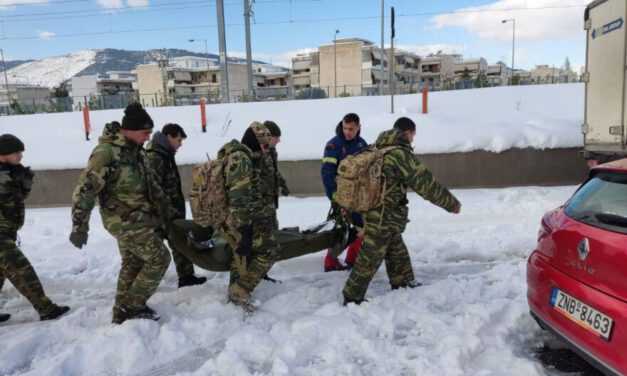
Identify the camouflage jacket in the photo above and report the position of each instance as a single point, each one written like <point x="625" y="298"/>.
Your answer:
<point x="402" y="170"/>
<point x="15" y="185"/>
<point x="119" y="177"/>
<point x="271" y="180"/>
<point x="162" y="162"/>
<point x="242" y="183"/>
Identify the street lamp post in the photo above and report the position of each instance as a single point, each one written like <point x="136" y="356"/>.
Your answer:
<point x="513" y="21"/>
<point x="337" y="31"/>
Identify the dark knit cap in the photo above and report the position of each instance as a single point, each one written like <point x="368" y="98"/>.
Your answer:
<point x="405" y="124"/>
<point x="136" y="118"/>
<point x="10" y="144"/>
<point x="273" y="127"/>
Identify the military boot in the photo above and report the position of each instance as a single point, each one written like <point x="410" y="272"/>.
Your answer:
<point x="121" y="314"/>
<point x="191" y="280"/>
<point x="240" y="297"/>
<point x="4" y="317"/>
<point x="407" y="285"/>
<point x="348" y="301"/>
<point x="55" y="312"/>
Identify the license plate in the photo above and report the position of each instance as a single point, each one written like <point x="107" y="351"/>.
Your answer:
<point x="582" y="314"/>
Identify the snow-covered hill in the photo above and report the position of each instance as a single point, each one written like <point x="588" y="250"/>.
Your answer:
<point x="52" y="71"/>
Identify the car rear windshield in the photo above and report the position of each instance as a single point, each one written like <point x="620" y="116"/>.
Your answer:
<point x="601" y="202"/>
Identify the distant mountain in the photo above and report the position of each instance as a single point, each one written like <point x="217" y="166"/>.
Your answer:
<point x="14" y="63"/>
<point x="53" y="71"/>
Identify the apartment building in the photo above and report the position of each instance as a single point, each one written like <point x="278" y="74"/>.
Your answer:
<point x="437" y="71"/>
<point x="499" y="74"/>
<point x="351" y="66"/>
<point x="544" y="74"/>
<point x="108" y="90"/>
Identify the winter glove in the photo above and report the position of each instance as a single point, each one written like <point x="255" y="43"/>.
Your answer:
<point x="285" y="191"/>
<point x="23" y="176"/>
<point x="78" y="239"/>
<point x="456" y="209"/>
<point x="245" y="246"/>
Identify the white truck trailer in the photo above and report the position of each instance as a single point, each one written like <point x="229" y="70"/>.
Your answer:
<point x="605" y="97"/>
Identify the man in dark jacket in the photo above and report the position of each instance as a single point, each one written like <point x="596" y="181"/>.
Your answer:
<point x="160" y="152"/>
<point x="346" y="142"/>
<point x="15" y="185"/>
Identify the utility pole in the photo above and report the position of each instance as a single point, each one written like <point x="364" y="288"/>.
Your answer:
<point x="513" y="21"/>
<point x="6" y="81"/>
<point x="382" y="47"/>
<point x="392" y="63"/>
<point x="249" y="55"/>
<point x="225" y="93"/>
<point x="337" y="31"/>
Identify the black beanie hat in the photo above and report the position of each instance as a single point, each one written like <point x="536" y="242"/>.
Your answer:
<point x="10" y="144"/>
<point x="405" y="124"/>
<point x="273" y="127"/>
<point x="136" y="118"/>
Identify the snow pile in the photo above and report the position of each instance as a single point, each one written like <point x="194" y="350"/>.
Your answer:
<point x="494" y="119"/>
<point x="470" y="318"/>
<point x="52" y="71"/>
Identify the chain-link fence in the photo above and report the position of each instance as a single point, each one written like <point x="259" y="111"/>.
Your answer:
<point x="121" y="100"/>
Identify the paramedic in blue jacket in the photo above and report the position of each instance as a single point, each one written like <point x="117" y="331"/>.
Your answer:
<point x="346" y="142"/>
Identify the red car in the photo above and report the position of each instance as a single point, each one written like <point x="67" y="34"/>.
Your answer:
<point x="577" y="276"/>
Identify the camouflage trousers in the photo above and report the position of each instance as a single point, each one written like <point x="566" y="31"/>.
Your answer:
<point x="184" y="267"/>
<point x="145" y="260"/>
<point x="15" y="267"/>
<point x="378" y="246"/>
<point x="263" y="255"/>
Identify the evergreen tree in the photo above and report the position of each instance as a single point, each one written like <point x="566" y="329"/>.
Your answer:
<point x="567" y="67"/>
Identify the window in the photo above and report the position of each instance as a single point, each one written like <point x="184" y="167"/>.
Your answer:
<point x="601" y="202"/>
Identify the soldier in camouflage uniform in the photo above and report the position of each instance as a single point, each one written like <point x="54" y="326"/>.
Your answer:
<point x="133" y="207"/>
<point x="250" y="221"/>
<point x="15" y="185"/>
<point x="160" y="152"/>
<point x="272" y="182"/>
<point x="385" y="224"/>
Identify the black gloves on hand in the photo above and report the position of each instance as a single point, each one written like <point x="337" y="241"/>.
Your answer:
<point x="23" y="176"/>
<point x="245" y="245"/>
<point x="78" y="239"/>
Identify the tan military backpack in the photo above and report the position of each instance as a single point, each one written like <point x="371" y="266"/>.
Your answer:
<point x="360" y="180"/>
<point x="208" y="195"/>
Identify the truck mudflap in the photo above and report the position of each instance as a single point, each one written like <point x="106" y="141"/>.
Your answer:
<point x="208" y="250"/>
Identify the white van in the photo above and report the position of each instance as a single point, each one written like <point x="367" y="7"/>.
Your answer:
<point x="606" y="60"/>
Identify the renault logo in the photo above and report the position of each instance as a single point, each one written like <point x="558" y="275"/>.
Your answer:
<point x="583" y="249"/>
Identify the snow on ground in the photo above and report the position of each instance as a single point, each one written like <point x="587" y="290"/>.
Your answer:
<point x="52" y="71"/>
<point x="470" y="318"/>
<point x="494" y="119"/>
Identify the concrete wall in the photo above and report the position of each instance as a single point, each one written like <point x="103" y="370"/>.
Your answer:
<point x="517" y="167"/>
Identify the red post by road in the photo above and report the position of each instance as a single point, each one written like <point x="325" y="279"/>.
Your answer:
<point x="86" y="122"/>
<point x="425" y="99"/>
<point x="203" y="115"/>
